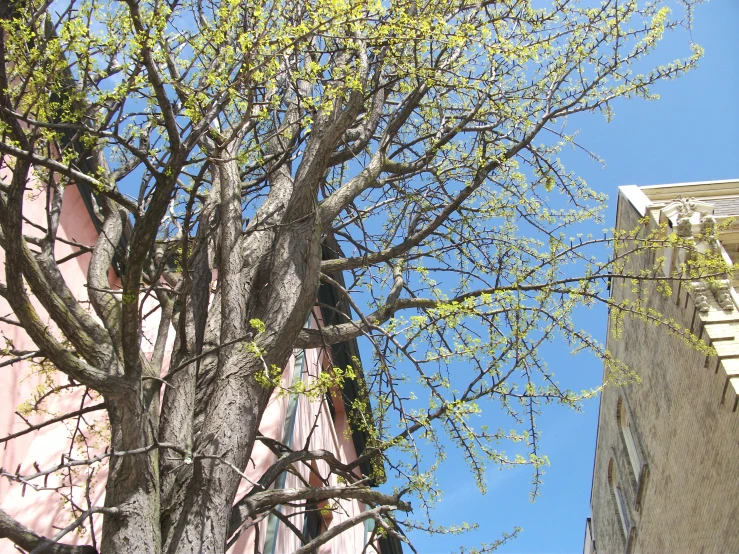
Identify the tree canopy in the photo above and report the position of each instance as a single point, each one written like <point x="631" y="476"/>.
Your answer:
<point x="404" y="152"/>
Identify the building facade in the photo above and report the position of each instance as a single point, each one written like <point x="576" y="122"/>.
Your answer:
<point x="32" y="393"/>
<point x="667" y="452"/>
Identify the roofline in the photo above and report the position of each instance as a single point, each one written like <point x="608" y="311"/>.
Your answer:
<point x="667" y="192"/>
<point x="691" y="183"/>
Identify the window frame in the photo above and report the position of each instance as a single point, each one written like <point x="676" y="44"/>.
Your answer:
<point x="628" y="526"/>
<point x="636" y="457"/>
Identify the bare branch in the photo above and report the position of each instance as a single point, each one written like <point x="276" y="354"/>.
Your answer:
<point x="82" y="411"/>
<point x="30" y="541"/>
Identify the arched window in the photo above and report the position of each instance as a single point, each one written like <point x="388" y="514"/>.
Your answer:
<point x="618" y="497"/>
<point x="624" y="423"/>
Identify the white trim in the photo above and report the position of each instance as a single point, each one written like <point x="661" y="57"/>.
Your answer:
<point x="636" y="197"/>
<point x="691" y="184"/>
<point x="656" y="193"/>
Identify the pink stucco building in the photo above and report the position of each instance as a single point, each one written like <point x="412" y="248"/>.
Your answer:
<point x="32" y="393"/>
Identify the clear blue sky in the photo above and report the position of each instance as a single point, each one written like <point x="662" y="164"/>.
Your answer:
<point x="690" y="134"/>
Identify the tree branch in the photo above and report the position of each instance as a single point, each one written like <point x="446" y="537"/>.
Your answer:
<point x="86" y="410"/>
<point x="335" y="530"/>
<point x="45" y="546"/>
<point x="28" y="540"/>
<point x="75" y="175"/>
<point x="255" y="504"/>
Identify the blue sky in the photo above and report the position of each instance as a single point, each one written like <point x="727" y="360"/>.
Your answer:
<point x="690" y="134"/>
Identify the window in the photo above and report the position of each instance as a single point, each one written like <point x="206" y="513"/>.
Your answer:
<point x="623" y="510"/>
<point x="313" y="524"/>
<point x="639" y="466"/>
<point x="318" y="515"/>
<point x="628" y="436"/>
<point x="621" y="505"/>
<point x="589" y="547"/>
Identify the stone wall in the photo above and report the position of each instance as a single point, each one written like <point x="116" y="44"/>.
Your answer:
<point x="684" y="421"/>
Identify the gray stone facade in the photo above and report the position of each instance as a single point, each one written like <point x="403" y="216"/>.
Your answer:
<point x="666" y="475"/>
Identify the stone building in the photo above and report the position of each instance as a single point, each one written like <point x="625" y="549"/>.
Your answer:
<point x="666" y="469"/>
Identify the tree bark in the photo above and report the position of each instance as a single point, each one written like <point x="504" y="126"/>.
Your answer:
<point x="133" y="480"/>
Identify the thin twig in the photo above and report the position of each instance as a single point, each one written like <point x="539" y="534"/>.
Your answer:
<point x="32" y="428"/>
<point x="20" y="358"/>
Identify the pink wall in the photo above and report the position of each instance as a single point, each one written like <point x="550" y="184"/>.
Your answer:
<point x="45" y="511"/>
<point x="327" y="436"/>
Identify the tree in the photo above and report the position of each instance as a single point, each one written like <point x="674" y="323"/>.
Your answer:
<point x="412" y="146"/>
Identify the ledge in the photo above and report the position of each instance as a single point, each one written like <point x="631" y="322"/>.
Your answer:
<point x="721" y="329"/>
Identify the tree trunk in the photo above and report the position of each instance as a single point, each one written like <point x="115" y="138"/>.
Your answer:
<point x="133" y="480"/>
<point x="236" y="410"/>
<point x="268" y="272"/>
